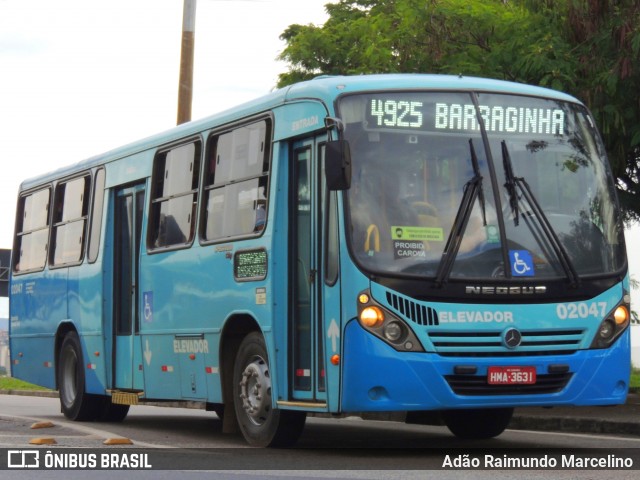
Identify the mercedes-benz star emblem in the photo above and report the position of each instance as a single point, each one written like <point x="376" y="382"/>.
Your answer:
<point x="512" y="338"/>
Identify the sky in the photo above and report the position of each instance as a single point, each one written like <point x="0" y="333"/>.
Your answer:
<point x="79" y="77"/>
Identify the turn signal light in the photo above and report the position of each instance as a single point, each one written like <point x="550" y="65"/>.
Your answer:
<point x="621" y="315"/>
<point x="371" y="317"/>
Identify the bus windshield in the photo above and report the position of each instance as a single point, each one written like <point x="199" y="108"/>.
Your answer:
<point x="542" y="202"/>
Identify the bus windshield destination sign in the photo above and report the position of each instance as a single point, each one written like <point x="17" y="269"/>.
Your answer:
<point x="408" y="114"/>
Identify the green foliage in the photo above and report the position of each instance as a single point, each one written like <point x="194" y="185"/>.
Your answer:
<point x="634" y="382"/>
<point x="9" y="383"/>
<point x="589" y="48"/>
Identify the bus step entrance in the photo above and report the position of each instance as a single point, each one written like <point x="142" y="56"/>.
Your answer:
<point x="125" y="398"/>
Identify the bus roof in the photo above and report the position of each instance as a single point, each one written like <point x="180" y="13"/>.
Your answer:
<point x="323" y="88"/>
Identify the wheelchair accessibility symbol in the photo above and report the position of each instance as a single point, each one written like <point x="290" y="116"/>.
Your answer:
<point x="521" y="263"/>
<point x="147" y="299"/>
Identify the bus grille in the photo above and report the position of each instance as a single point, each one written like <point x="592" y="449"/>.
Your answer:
<point x="477" y="385"/>
<point x="412" y="310"/>
<point x="484" y="344"/>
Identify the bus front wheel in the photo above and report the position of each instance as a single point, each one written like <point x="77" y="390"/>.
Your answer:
<point x="477" y="423"/>
<point x="75" y="403"/>
<point x="260" y="423"/>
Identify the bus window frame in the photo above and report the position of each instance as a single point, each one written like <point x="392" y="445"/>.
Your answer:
<point x="96" y="215"/>
<point x="15" y="259"/>
<point x="206" y="188"/>
<point x="151" y="199"/>
<point x="86" y="218"/>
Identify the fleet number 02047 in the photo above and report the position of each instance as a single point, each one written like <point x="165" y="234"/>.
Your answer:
<point x="581" y="310"/>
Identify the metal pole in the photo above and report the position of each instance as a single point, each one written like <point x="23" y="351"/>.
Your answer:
<point x="185" y="87"/>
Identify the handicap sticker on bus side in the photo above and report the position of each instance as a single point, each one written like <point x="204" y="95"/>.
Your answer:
<point x="521" y="263"/>
<point x="147" y="298"/>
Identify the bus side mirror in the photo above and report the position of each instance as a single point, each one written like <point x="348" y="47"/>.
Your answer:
<point x="337" y="165"/>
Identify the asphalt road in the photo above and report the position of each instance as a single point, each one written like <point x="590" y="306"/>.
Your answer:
<point x="329" y="448"/>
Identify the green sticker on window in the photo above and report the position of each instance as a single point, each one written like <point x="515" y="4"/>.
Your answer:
<point x="429" y="234"/>
<point x="493" y="234"/>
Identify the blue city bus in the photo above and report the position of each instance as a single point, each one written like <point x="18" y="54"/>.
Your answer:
<point x="444" y="246"/>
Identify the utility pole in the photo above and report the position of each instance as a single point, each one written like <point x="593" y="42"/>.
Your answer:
<point x="185" y="87"/>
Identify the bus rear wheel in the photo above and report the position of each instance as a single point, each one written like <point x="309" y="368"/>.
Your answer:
<point x="113" y="412"/>
<point x="260" y="423"/>
<point x="477" y="423"/>
<point x="75" y="403"/>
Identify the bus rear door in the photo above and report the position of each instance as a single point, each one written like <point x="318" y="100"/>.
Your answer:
<point x="128" y="216"/>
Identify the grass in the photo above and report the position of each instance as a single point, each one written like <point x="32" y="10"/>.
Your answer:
<point x="635" y="379"/>
<point x="8" y="383"/>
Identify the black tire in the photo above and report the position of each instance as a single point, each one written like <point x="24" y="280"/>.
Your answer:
<point x="477" y="423"/>
<point x="113" y="412"/>
<point x="260" y="424"/>
<point x="75" y="403"/>
<point x="218" y="409"/>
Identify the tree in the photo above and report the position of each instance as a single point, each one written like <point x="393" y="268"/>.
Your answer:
<point x="589" y="48"/>
<point x="606" y="35"/>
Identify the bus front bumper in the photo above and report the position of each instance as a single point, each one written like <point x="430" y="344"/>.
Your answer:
<point x="378" y="378"/>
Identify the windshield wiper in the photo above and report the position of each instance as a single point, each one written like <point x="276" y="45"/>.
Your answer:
<point x="519" y="184"/>
<point x="472" y="190"/>
<point x="510" y="184"/>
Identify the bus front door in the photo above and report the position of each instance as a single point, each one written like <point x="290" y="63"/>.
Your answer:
<point x="310" y="326"/>
<point x="129" y="207"/>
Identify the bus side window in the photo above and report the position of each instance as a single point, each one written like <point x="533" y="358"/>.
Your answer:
<point x="70" y="214"/>
<point x="96" y="215"/>
<point x="236" y="181"/>
<point x="32" y="231"/>
<point x="176" y="173"/>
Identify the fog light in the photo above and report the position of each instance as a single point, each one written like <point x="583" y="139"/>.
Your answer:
<point x="371" y="317"/>
<point x="393" y="331"/>
<point x="606" y="329"/>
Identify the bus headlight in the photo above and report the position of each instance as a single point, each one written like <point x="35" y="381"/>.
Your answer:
<point x="393" y="331"/>
<point x="621" y="315"/>
<point x="387" y="326"/>
<point x="611" y="327"/>
<point x="371" y="317"/>
<point x="606" y="330"/>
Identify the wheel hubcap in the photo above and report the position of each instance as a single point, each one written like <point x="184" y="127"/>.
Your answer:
<point x="255" y="391"/>
<point x="68" y="381"/>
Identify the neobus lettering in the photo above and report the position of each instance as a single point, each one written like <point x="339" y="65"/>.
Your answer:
<point x="497" y="290"/>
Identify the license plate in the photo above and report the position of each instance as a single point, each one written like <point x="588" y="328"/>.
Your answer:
<point x="511" y="375"/>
